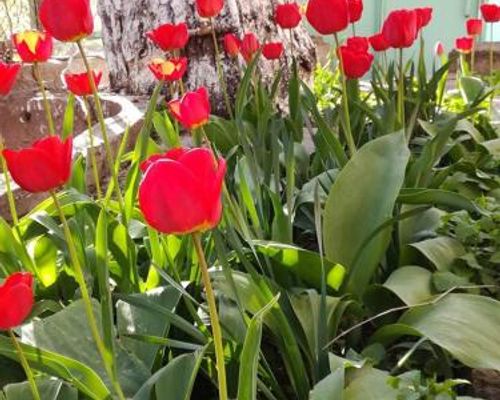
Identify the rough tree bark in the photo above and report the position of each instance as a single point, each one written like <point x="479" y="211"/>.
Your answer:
<point x="125" y="23"/>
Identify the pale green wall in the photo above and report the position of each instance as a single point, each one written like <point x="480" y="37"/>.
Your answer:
<point x="448" y="22"/>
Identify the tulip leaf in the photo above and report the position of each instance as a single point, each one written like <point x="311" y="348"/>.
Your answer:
<point x="411" y="284"/>
<point x="362" y="198"/>
<point x="67" y="333"/>
<point x="441" y="251"/>
<point x="249" y="359"/>
<point x="49" y="389"/>
<point x="465" y="325"/>
<point x="69" y="117"/>
<point x="137" y="320"/>
<point x="83" y="377"/>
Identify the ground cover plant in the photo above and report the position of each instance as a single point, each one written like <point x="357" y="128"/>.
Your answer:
<point x="345" y="247"/>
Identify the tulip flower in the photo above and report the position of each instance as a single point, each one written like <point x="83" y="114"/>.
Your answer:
<point x="8" y="76"/>
<point x="181" y="191"/>
<point x="288" y="15"/>
<point x="464" y="44"/>
<point x="168" y="70"/>
<point x="16" y="300"/>
<point x="68" y="20"/>
<point x="424" y="16"/>
<point x="193" y="110"/>
<point x="33" y="46"/>
<point x="232" y="45"/>
<point x="355" y="10"/>
<point x="400" y="28"/>
<point x="44" y="166"/>
<point x="490" y="12"/>
<point x="79" y="84"/>
<point x="474" y="26"/>
<point x="272" y="50"/>
<point x="358" y="43"/>
<point x="378" y="42"/>
<point x="439" y="49"/>
<point x="170" y="37"/>
<point x="356" y="61"/>
<point x="209" y="8"/>
<point x="249" y="46"/>
<point x="328" y="16"/>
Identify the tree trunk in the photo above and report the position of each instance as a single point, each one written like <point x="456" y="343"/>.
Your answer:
<point x="126" y="22"/>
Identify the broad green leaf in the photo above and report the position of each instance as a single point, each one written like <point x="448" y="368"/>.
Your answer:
<point x="331" y="387"/>
<point x="411" y="284"/>
<point x="176" y="380"/>
<point x="362" y="198"/>
<point x="370" y="384"/>
<point x="441" y="251"/>
<point x="249" y="359"/>
<point x="437" y="197"/>
<point x="465" y="325"/>
<point x="142" y="321"/>
<point x="49" y="389"/>
<point x="67" y="333"/>
<point x="83" y="377"/>
<point x="45" y="256"/>
<point x="13" y="255"/>
<point x="292" y="262"/>
<point x="471" y="88"/>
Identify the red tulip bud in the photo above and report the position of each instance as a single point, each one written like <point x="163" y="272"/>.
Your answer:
<point x="16" y="300"/>
<point x="288" y="15"/>
<point x="169" y="37"/>
<point x="168" y="70"/>
<point x="33" y="46"/>
<point x="490" y="12"/>
<point x="328" y="16"/>
<point x="79" y="84"/>
<point x="8" y="76"/>
<point x="400" y="28"/>
<point x="464" y="44"/>
<point x="209" y="8"/>
<point x="232" y="45"/>
<point x="474" y="26"/>
<point x="192" y="110"/>
<point x="272" y="51"/>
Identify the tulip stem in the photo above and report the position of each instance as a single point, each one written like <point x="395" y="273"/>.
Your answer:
<point x="46" y="103"/>
<point x="347" y="118"/>
<point x="401" y="92"/>
<point x="93" y="159"/>
<point x="87" y="301"/>
<point x="10" y="195"/>
<point x="473" y="55"/>
<point x="25" y="365"/>
<point x="104" y="132"/>
<point x="214" y="317"/>
<point x="491" y="53"/>
<point x="220" y="70"/>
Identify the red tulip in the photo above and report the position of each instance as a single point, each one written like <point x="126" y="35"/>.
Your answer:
<point x="16" y="300"/>
<point x="378" y="42"/>
<point x="168" y="70"/>
<point x="33" y="46"/>
<point x="170" y="37"/>
<point x="193" y="110"/>
<point x="79" y="84"/>
<point x="439" y="49"/>
<point x="328" y="16"/>
<point x="181" y="191"/>
<point x="44" y="166"/>
<point x="474" y="26"/>
<point x="8" y="76"/>
<point x="400" y="28"/>
<point x="68" y="20"/>
<point x="355" y="62"/>
<point x="490" y="12"/>
<point x="358" y="43"/>
<point x="209" y="8"/>
<point x="464" y="44"/>
<point x="273" y="50"/>
<point x="424" y="16"/>
<point x="232" y="44"/>
<point x="249" y="46"/>
<point x="288" y="16"/>
<point x="355" y="10"/>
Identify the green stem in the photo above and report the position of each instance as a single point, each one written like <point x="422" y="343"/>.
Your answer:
<point x="401" y="92"/>
<point x="80" y="278"/>
<point x="214" y="317"/>
<point x="26" y="366"/>
<point x="473" y="55"/>
<point x="347" y="118"/>
<point x="491" y="53"/>
<point x="46" y="103"/>
<point x="10" y="195"/>
<point x="104" y="132"/>
<point x="220" y="71"/>
<point x="93" y="160"/>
